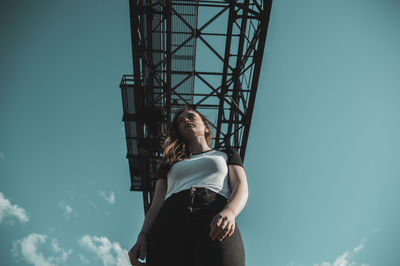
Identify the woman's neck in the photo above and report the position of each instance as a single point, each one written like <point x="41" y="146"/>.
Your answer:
<point x="198" y="145"/>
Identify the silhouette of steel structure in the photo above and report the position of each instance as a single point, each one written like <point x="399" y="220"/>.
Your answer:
<point x="207" y="54"/>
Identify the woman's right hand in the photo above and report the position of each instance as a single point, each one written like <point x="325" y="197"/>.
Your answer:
<point x="138" y="250"/>
<point x="140" y="247"/>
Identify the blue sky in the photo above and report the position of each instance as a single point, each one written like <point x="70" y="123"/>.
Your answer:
<point x="322" y="160"/>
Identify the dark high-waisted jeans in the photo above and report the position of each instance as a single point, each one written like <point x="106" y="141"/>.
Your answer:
<point x="179" y="235"/>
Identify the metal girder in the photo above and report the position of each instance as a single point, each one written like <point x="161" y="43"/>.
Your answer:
<point x="192" y="52"/>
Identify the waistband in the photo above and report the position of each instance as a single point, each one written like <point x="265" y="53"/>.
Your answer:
<point x="197" y="191"/>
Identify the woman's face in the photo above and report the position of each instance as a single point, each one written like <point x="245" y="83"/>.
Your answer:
<point x="190" y="124"/>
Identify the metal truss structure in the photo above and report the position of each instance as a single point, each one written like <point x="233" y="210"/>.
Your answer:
<point x="207" y="54"/>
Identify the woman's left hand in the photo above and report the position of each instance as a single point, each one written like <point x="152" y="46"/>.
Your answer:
<point x="222" y="225"/>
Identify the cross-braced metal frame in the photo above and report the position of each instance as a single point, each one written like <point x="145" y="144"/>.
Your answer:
<point x="202" y="53"/>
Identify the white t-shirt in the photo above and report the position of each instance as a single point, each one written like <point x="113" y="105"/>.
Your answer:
<point x="206" y="169"/>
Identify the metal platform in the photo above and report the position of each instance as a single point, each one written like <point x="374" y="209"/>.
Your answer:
<point x="202" y="53"/>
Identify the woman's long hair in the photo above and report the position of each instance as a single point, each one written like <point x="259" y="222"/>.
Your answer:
<point x="174" y="147"/>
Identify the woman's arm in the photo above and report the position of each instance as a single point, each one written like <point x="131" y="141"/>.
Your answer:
<point x="223" y="224"/>
<point x="139" y="249"/>
<point x="158" y="200"/>
<point x="238" y="185"/>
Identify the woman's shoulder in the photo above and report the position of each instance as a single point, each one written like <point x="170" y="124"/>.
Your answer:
<point x="232" y="155"/>
<point x="228" y="150"/>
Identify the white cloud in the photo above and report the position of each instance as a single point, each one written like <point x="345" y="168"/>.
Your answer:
<point x="9" y="210"/>
<point x="83" y="259"/>
<point x="67" y="209"/>
<point x="359" y="247"/>
<point x="29" y="246"/>
<point x="110" y="199"/>
<point x="2" y="156"/>
<point x="57" y="249"/>
<point x="346" y="258"/>
<point x="110" y="253"/>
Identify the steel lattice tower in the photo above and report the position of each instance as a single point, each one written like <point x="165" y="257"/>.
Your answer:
<point x="202" y="53"/>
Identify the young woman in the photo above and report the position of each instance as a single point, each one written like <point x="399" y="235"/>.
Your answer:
<point x="199" y="193"/>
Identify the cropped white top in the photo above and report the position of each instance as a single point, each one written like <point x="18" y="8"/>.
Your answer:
<point x="206" y="169"/>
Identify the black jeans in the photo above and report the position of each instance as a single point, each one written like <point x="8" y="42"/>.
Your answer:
<point x="180" y="234"/>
